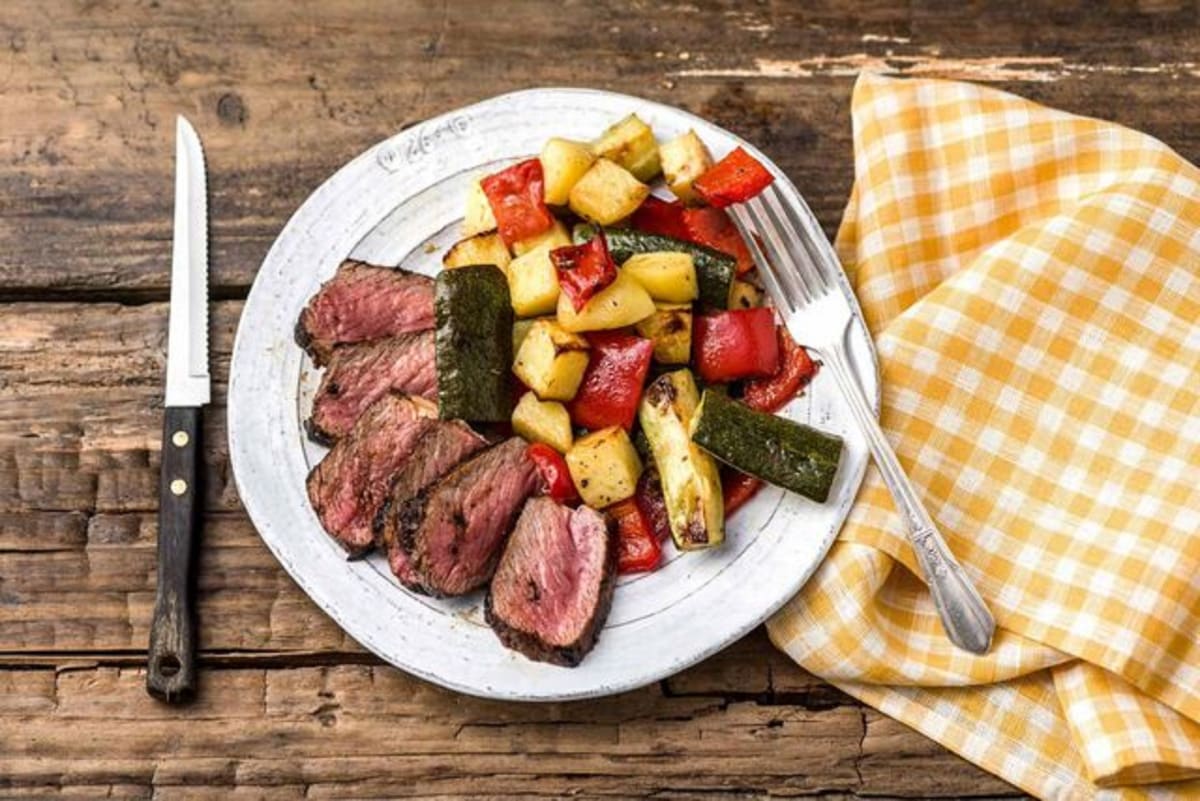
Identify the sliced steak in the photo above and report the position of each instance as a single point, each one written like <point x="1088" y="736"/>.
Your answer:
<point x="554" y="585"/>
<point x="360" y="374"/>
<point x="363" y="302"/>
<point x="351" y="482"/>
<point x="441" y="447"/>
<point x="455" y="529"/>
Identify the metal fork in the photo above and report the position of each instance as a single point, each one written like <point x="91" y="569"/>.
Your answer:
<point x="805" y="279"/>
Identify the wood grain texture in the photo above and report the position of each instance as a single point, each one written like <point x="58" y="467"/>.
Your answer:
<point x="283" y="94"/>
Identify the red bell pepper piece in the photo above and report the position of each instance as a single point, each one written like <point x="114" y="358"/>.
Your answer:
<point x="515" y="195"/>
<point x="796" y="369"/>
<point x="658" y="216"/>
<point x="612" y="383"/>
<point x="734" y="179"/>
<point x="583" y="270"/>
<point x="637" y="547"/>
<point x="556" y="477"/>
<point x="713" y="228"/>
<point x="650" y="501"/>
<point x="737" y="489"/>
<point x="735" y="344"/>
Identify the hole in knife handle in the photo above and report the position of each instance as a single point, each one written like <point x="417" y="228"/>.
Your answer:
<point x="169" y="665"/>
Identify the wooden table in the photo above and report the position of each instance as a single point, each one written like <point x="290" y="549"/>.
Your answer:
<point x="283" y="94"/>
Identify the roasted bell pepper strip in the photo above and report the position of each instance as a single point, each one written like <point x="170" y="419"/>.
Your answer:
<point x="637" y="547"/>
<point x="734" y="179"/>
<point x="731" y="345"/>
<point x="515" y="195"/>
<point x="713" y="228"/>
<point x="796" y="369"/>
<point x="556" y="478"/>
<point x="612" y="383"/>
<point x="658" y="216"/>
<point x="737" y="488"/>
<point x="583" y="270"/>
<point x="650" y="500"/>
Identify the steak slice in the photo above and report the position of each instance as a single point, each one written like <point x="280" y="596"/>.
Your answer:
<point x="348" y="486"/>
<point x="363" y="302"/>
<point x="360" y="374"/>
<point x="441" y="447"/>
<point x="455" y="529"/>
<point x="554" y="585"/>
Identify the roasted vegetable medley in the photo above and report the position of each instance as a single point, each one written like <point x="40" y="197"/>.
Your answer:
<point x="642" y="365"/>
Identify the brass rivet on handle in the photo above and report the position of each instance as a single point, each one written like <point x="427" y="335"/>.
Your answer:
<point x="179" y="439"/>
<point x="178" y="486"/>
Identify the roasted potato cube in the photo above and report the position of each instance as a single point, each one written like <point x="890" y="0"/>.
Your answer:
<point x="533" y="283"/>
<point x="486" y="248"/>
<point x="744" y="295"/>
<point x="607" y="193"/>
<point x="684" y="159"/>
<point x="551" y="361"/>
<point x="670" y="328"/>
<point x="669" y="277"/>
<point x="479" y="216"/>
<point x="563" y="163"/>
<point x="543" y="421"/>
<point x="621" y="303"/>
<point x="556" y="236"/>
<point x="690" y="480"/>
<point x="604" y="466"/>
<point x="631" y="144"/>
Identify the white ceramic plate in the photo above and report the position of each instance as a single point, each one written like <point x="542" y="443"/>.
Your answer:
<point x="399" y="203"/>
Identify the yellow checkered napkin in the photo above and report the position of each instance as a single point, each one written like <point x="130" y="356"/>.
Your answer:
<point x="1032" y="280"/>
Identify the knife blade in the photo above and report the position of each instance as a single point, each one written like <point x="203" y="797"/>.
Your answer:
<point x="171" y="669"/>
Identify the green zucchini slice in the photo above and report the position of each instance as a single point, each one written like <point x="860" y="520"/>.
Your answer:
<point x="777" y="450"/>
<point x="473" y="342"/>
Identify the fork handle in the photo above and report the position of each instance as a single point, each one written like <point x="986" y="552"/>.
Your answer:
<point x="966" y="618"/>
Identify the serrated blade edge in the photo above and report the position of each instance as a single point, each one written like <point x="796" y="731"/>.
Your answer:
<point x="187" y="336"/>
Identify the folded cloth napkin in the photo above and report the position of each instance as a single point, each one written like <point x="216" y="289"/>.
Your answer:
<point x="1032" y="281"/>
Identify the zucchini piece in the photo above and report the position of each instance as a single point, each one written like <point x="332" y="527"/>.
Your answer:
<point x="473" y="344"/>
<point x="670" y="328"/>
<point x="520" y="331"/>
<point x="606" y="193"/>
<point x="604" y="467"/>
<point x="621" y="303"/>
<point x="479" y="217"/>
<point x="690" y="480"/>
<point x="684" y="159"/>
<point x="543" y="421"/>
<point x="669" y="277"/>
<point x="630" y="143"/>
<point x="775" y="449"/>
<point x="714" y="269"/>
<point x="551" y="361"/>
<point x="563" y="163"/>
<point x="485" y="248"/>
<point x="533" y="282"/>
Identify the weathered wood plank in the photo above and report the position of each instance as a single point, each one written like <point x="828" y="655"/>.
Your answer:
<point x="282" y="96"/>
<point x="360" y="731"/>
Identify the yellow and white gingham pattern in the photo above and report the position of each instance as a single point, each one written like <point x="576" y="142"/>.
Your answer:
<point x="1032" y="280"/>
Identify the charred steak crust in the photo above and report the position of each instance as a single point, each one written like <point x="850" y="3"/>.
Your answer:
<point x="454" y="530"/>
<point x="363" y="302"/>
<point x="531" y="643"/>
<point x="444" y="446"/>
<point x="359" y="374"/>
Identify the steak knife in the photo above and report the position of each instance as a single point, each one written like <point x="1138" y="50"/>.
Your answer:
<point x="171" y="673"/>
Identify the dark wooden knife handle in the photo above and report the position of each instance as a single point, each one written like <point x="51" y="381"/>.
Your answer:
<point x="171" y="673"/>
